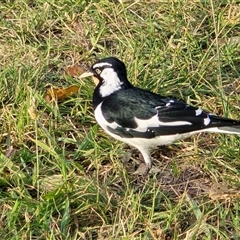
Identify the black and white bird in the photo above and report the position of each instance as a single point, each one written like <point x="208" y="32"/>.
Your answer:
<point x="142" y="118"/>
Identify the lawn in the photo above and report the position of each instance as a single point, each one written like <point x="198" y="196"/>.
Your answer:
<point x="61" y="176"/>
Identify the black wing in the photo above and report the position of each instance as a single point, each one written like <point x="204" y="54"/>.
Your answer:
<point x="127" y="107"/>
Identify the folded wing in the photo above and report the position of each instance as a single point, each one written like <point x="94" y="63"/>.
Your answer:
<point x="142" y="114"/>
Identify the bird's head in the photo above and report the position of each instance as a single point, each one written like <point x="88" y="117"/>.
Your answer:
<point x="111" y="75"/>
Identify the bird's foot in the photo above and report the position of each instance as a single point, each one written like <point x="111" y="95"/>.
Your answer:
<point x="143" y="169"/>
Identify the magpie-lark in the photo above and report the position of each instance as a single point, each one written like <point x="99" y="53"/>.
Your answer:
<point x="142" y="118"/>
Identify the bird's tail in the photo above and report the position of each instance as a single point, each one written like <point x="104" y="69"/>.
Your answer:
<point x="224" y="125"/>
<point x="231" y="130"/>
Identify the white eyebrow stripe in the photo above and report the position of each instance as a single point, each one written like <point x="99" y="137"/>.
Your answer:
<point x="98" y="65"/>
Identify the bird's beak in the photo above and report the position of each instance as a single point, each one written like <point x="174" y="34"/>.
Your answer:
<point x="89" y="74"/>
<point x="86" y="74"/>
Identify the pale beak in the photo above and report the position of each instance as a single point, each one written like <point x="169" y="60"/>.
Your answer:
<point x="89" y="74"/>
<point x="86" y="74"/>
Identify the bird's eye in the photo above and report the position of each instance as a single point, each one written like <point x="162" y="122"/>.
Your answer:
<point x="97" y="70"/>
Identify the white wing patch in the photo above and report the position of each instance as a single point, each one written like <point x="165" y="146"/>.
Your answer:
<point x="143" y="125"/>
<point x="198" y="112"/>
<point x="206" y="121"/>
<point x="111" y="82"/>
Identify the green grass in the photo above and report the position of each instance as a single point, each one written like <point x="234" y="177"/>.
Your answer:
<point x="61" y="176"/>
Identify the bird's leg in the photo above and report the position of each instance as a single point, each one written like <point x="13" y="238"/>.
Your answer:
<point x="141" y="157"/>
<point x="144" y="167"/>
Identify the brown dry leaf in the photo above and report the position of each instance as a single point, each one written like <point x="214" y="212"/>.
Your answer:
<point x="60" y="93"/>
<point x="74" y="71"/>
